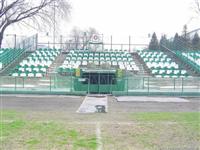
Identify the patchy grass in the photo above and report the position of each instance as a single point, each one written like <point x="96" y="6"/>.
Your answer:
<point x="27" y="134"/>
<point x="167" y="116"/>
<point x="10" y="115"/>
<point x="154" y="130"/>
<point x="190" y="119"/>
<point x="149" y="130"/>
<point x="34" y="135"/>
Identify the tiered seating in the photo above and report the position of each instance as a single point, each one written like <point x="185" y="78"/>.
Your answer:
<point x="36" y="64"/>
<point x="193" y="57"/>
<point x="120" y="59"/>
<point x="8" y="55"/>
<point x="161" y="65"/>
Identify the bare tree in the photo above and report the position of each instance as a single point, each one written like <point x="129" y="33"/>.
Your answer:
<point x="76" y="36"/>
<point x="196" y="7"/>
<point x="81" y="38"/>
<point x="37" y="13"/>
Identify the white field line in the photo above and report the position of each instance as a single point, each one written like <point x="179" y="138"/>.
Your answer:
<point x="98" y="136"/>
<point x="104" y="123"/>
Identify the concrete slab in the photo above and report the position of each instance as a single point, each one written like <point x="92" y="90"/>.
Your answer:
<point x="149" y="99"/>
<point x="89" y="103"/>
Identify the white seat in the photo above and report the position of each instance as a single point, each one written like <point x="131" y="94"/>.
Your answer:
<point x="176" y="71"/>
<point x="84" y="63"/>
<point x="21" y="69"/>
<point x="161" y="71"/>
<point x="36" y="69"/>
<point x="158" y="76"/>
<point x="30" y="75"/>
<point x="39" y="75"/>
<point x="183" y="72"/>
<point x="29" y="69"/>
<point x="154" y="71"/>
<point x="23" y="75"/>
<point x="169" y="71"/>
<point x="15" y="75"/>
<point x="43" y="69"/>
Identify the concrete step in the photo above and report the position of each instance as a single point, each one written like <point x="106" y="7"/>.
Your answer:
<point x="58" y="62"/>
<point x="143" y="69"/>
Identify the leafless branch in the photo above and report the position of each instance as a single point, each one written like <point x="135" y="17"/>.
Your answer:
<point x="38" y="12"/>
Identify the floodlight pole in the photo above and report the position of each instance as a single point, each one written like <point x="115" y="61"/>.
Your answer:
<point x="54" y="23"/>
<point x="61" y="39"/>
<point x="129" y="43"/>
<point x="85" y="38"/>
<point x="36" y="41"/>
<point x="15" y="38"/>
<point x="102" y="43"/>
<point x="111" y="42"/>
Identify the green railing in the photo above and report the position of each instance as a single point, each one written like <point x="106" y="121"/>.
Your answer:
<point x="185" y="59"/>
<point x="133" y="86"/>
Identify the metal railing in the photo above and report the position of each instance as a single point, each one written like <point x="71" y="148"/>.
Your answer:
<point x="65" y="85"/>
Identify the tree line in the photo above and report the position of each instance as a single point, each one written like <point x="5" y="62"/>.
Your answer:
<point x="177" y="43"/>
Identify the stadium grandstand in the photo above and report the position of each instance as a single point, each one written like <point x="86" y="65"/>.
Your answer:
<point x="58" y="68"/>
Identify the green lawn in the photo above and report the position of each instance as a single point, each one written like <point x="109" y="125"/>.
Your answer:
<point x="20" y="133"/>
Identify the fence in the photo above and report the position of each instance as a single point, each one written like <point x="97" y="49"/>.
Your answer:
<point x="133" y="85"/>
<point x="19" y="41"/>
<point x="67" y="43"/>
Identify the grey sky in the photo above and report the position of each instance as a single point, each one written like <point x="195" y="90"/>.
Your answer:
<point x="122" y="18"/>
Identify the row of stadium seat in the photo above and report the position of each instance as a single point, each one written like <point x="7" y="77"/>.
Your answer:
<point x="193" y="57"/>
<point x="169" y="73"/>
<point x="161" y="65"/>
<point x="7" y="55"/>
<point x="105" y="50"/>
<point x="123" y="60"/>
<point x="37" y="64"/>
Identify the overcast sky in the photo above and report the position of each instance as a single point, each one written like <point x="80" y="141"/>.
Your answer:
<point x="122" y="18"/>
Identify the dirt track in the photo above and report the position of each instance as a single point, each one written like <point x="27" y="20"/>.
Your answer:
<point x="70" y="104"/>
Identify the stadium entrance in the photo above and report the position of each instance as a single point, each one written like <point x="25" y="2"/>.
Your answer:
<point x="98" y="81"/>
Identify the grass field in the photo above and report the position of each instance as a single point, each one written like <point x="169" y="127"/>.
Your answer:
<point x="142" y="130"/>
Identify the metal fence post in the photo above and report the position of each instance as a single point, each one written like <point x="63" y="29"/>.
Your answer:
<point x="23" y="82"/>
<point x="127" y="86"/>
<point x="61" y="40"/>
<point x="55" y="81"/>
<point x="15" y="84"/>
<point x="148" y="84"/>
<point x="129" y="44"/>
<point x="88" y="85"/>
<point x="50" y="83"/>
<point x="71" y="81"/>
<point x="111" y="42"/>
<point x="99" y="83"/>
<point x="174" y="84"/>
<point x="182" y="85"/>
<point x="143" y="82"/>
<point x="36" y="41"/>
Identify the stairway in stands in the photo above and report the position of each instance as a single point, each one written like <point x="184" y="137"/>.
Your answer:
<point x="58" y="62"/>
<point x="143" y="69"/>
